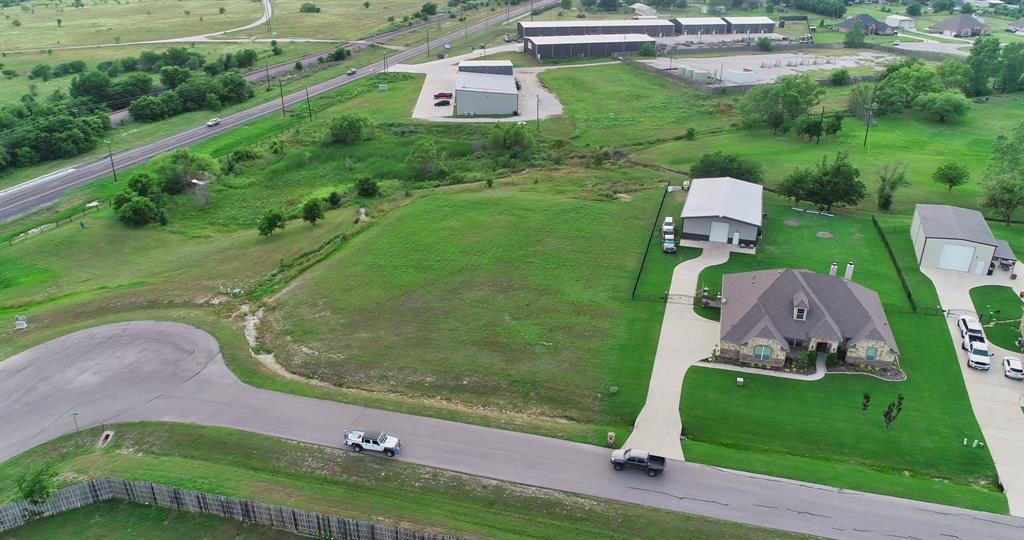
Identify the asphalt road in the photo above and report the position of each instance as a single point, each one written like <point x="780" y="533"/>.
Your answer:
<point x="45" y="190"/>
<point x="174" y="372"/>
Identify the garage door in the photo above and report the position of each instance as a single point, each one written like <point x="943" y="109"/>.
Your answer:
<point x="954" y="257"/>
<point x="719" y="231"/>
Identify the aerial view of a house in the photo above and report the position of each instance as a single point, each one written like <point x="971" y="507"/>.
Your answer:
<point x="771" y="315"/>
<point x="962" y="25"/>
<point x="871" y="25"/>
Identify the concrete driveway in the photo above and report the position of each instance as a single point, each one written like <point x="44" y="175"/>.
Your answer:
<point x="996" y="400"/>
<point x="172" y="372"/>
<point x="534" y="99"/>
<point x="685" y="339"/>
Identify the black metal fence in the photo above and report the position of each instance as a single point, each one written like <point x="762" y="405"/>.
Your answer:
<point x="278" y="517"/>
<point x="896" y="265"/>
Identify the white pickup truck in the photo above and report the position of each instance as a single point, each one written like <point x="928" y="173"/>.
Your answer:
<point x="375" y="440"/>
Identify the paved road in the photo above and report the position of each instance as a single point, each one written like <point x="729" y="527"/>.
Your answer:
<point x="174" y="372"/>
<point x="995" y="399"/>
<point x="48" y="189"/>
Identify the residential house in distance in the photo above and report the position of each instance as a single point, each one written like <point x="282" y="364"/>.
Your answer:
<point x="723" y="210"/>
<point x="1016" y="26"/>
<point x="871" y="25"/>
<point x="954" y="238"/>
<point x="771" y="315"/>
<point x="960" y="26"/>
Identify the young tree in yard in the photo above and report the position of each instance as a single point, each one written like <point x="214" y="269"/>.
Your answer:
<point x="855" y="36"/>
<point x="840" y="77"/>
<point x="175" y="170"/>
<point x="984" y="64"/>
<point x="367" y="187"/>
<point x="271" y="221"/>
<point x="36" y="486"/>
<point x="313" y="210"/>
<point x="943" y="106"/>
<point x="808" y="125"/>
<point x="137" y="211"/>
<point x="424" y="159"/>
<point x="648" y="50"/>
<point x="778" y="105"/>
<point x="891" y="177"/>
<point x="347" y="129"/>
<point x="954" y="75"/>
<point x="865" y="402"/>
<point x="721" y="164"/>
<point x="860" y="102"/>
<point x="797" y="184"/>
<point x="1011" y="67"/>
<point x="836" y="182"/>
<point x="833" y="124"/>
<point x="951" y="174"/>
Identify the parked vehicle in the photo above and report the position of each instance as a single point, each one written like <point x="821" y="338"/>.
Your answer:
<point x="213" y="122"/>
<point x="668" y="243"/>
<point x="350" y="72"/>
<point x="668" y="226"/>
<point x="638" y="459"/>
<point x="1013" y="368"/>
<point x="443" y="95"/>
<point x="978" y="356"/>
<point x="969" y="326"/>
<point x="442" y="103"/>
<point x="375" y="440"/>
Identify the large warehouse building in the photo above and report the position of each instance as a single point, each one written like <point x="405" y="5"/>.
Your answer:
<point x="692" y="26"/>
<point x="749" y="25"/>
<point x="650" y="27"/>
<point x="486" y="88"/>
<point x="549" y="47"/>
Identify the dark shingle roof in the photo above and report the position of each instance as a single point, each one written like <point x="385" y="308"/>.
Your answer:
<point x="868" y="21"/>
<point x="760" y="304"/>
<point x="959" y="24"/>
<point x="944" y="221"/>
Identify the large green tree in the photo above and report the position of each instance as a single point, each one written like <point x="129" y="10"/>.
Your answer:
<point x="1004" y="176"/>
<point x="951" y="174"/>
<point x="778" y="105"/>
<point x="835" y="182"/>
<point x="175" y="170"/>
<point x="943" y="106"/>
<point x="899" y="88"/>
<point x="984" y="64"/>
<point x="347" y="129"/>
<point x="954" y="75"/>
<point x="1011" y="67"/>
<point x="719" y="164"/>
<point x="855" y="36"/>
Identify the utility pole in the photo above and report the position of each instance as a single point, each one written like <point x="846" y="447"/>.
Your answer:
<point x="110" y="154"/>
<point x="428" y="41"/>
<point x="385" y="61"/>
<point x="867" y="125"/>
<point x="821" y="124"/>
<point x="280" y="87"/>
<point x="308" y="106"/>
<point x="538" y="112"/>
<point x="267" y="68"/>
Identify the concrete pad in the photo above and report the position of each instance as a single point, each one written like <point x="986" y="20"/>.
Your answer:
<point x="996" y="399"/>
<point x="769" y="67"/>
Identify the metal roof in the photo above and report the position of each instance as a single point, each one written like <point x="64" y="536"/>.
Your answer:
<point x="590" y="38"/>
<point x="944" y="221"/>
<point x="606" y="22"/>
<point x="1003" y="251"/>
<point x="724" y="197"/>
<point x="486" y="82"/>
<point x="688" y="21"/>
<point x="485" y="63"/>
<point x="761" y="304"/>
<point x="749" y="20"/>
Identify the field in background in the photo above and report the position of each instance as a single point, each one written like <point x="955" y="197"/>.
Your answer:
<point x="106" y="22"/>
<point x="338" y="19"/>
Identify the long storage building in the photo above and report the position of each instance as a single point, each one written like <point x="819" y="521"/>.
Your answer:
<point x="691" y="26"/>
<point x="549" y="47"/>
<point x="750" y="25"/>
<point x="650" y="27"/>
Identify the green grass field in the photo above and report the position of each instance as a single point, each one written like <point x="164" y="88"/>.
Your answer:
<point x="273" y="471"/>
<point x="1000" y="308"/>
<point x="910" y="139"/>
<point x="107" y="22"/>
<point x="338" y="19"/>
<point x="815" y="431"/>
<point x="124" y="521"/>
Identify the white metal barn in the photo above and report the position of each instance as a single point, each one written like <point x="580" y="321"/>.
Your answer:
<point x="954" y="238"/>
<point x="486" y="89"/>
<point x="901" y="21"/>
<point x="723" y="210"/>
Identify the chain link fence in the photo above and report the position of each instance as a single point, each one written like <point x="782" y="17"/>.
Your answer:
<point x="296" y="521"/>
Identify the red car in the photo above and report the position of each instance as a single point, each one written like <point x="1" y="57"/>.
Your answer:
<point x="443" y="95"/>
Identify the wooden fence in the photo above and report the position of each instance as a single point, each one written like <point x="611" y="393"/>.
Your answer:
<point x="296" y="521"/>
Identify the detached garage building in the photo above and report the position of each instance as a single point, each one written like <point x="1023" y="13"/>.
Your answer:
<point x="692" y="26"/>
<point x="486" y="88"/>
<point x="723" y="210"/>
<point x="549" y="47"/>
<point x="650" y="27"/>
<point x="750" y="25"/>
<point x="953" y="238"/>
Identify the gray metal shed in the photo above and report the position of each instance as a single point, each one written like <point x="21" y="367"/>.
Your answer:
<point x="954" y="238"/>
<point x="723" y="210"/>
<point x="548" y="47"/>
<point x="485" y="94"/>
<point x="650" y="27"/>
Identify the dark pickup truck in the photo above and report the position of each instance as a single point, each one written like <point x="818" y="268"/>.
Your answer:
<point x="638" y="459"/>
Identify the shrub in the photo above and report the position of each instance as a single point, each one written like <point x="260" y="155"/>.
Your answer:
<point x="347" y="129"/>
<point x="37" y="486"/>
<point x="137" y="211"/>
<point x="313" y="210"/>
<point x="840" y="77"/>
<point x="367" y="187"/>
<point x="271" y="220"/>
<point x="721" y="164"/>
<point x="832" y="360"/>
<point x="765" y="44"/>
<point x="334" y="199"/>
<point x="691" y="134"/>
<point x="309" y="7"/>
<point x="648" y="50"/>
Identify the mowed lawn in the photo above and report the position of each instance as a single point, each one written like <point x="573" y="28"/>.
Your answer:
<point x="816" y="431"/>
<point x="511" y="299"/>
<point x="338" y="19"/>
<point x="617" y="104"/>
<point x="1000" y="310"/>
<point x="274" y="471"/>
<point x="98" y="23"/>
<point x="920" y="144"/>
<point x="117" y="520"/>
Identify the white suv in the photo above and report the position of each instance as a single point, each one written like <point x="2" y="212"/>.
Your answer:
<point x="1013" y="368"/>
<point x="969" y="326"/>
<point x="978" y="356"/>
<point x="668" y="226"/>
<point x="375" y="440"/>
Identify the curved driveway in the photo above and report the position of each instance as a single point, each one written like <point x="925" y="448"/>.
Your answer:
<point x="173" y="372"/>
